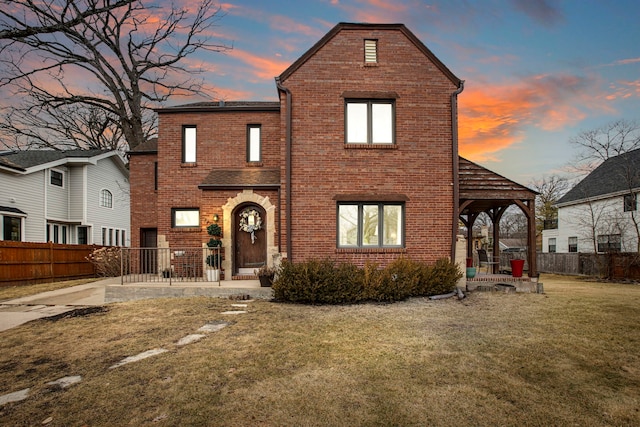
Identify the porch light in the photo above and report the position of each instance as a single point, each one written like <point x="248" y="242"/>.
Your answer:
<point x="215" y="217"/>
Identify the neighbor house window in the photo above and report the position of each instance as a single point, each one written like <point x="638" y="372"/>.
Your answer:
<point x="56" y="178"/>
<point x="552" y="244"/>
<point x="188" y="144"/>
<point x="609" y="243"/>
<point x="370" y="122"/>
<point x="371" y="51"/>
<point x="106" y="199"/>
<point x="630" y="203"/>
<point x="83" y="236"/>
<point x="253" y="143"/>
<point x="370" y="225"/>
<point x="573" y="244"/>
<point x="185" y="217"/>
<point x="11" y="228"/>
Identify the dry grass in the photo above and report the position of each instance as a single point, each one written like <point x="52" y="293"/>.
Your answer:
<point x="570" y="357"/>
<point x="12" y="292"/>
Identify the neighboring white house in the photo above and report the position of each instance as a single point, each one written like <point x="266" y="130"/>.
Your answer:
<point x="601" y="210"/>
<point x="75" y="196"/>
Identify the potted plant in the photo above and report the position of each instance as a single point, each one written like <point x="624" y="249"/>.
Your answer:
<point x="265" y="275"/>
<point x="213" y="259"/>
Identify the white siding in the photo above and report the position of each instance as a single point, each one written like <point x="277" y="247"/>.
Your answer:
<point x="25" y="192"/>
<point x="58" y="197"/>
<point x="77" y="197"/>
<point x="107" y="175"/>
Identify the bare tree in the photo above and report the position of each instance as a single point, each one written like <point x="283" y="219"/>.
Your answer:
<point x="88" y="73"/>
<point x="551" y="189"/>
<point x="597" y="145"/>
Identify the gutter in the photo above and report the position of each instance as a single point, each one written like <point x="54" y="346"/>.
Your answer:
<point x="288" y="143"/>
<point x="456" y="171"/>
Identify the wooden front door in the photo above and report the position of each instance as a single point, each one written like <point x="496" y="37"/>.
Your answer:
<point x="250" y="251"/>
<point x="148" y="257"/>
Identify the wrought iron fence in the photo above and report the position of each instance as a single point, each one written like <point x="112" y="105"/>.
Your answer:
<point x="170" y="265"/>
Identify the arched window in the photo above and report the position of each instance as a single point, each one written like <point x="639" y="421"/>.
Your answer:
<point x="106" y="199"/>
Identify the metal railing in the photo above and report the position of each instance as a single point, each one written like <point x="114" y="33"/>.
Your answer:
<point x="169" y="265"/>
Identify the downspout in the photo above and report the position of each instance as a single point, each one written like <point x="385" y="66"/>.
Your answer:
<point x="287" y="168"/>
<point x="456" y="171"/>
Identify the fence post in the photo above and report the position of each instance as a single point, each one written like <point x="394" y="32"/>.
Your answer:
<point x="51" y="260"/>
<point x="121" y="266"/>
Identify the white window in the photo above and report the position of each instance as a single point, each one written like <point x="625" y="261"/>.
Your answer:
<point x="106" y="199"/>
<point x="370" y="225"/>
<point x="11" y="228"/>
<point x="573" y="244"/>
<point x="609" y="243"/>
<point x="552" y="244"/>
<point x="188" y="144"/>
<point x="370" y="122"/>
<point x="185" y="217"/>
<point x="253" y="143"/>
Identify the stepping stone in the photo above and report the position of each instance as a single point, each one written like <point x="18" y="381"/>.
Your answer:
<point x="234" y="312"/>
<point x="239" y="305"/>
<point x="189" y="339"/>
<point x="16" y="396"/>
<point x="65" y="382"/>
<point x="213" y="327"/>
<point x="143" y="355"/>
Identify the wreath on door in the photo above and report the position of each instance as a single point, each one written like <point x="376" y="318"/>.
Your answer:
<point x="250" y="222"/>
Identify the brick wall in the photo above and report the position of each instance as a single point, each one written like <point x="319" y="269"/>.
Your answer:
<point x="144" y="198"/>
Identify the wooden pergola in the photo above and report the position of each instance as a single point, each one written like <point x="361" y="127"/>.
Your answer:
<point x="481" y="190"/>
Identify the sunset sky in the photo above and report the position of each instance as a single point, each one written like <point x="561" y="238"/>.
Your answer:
<point x="537" y="72"/>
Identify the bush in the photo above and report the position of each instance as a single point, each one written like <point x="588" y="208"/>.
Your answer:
<point x="325" y="282"/>
<point x="107" y="261"/>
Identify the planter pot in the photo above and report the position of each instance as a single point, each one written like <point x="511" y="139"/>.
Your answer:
<point x="213" y="275"/>
<point x="517" y="265"/>
<point x="471" y="272"/>
<point x="265" y="281"/>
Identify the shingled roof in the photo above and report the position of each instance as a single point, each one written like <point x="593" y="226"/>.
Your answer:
<point x="616" y="175"/>
<point x="22" y="160"/>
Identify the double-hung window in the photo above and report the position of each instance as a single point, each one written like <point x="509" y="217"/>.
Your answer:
<point x="189" y="144"/>
<point x="552" y="245"/>
<point x="254" y="143"/>
<point x="363" y="225"/>
<point x="573" y="244"/>
<point x="370" y="121"/>
<point x="609" y="242"/>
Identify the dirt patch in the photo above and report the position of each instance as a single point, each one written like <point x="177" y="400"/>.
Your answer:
<point x="78" y="312"/>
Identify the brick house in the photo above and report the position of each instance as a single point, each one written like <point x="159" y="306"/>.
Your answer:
<point x="357" y="161"/>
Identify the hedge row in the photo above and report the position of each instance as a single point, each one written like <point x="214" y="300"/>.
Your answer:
<point x="325" y="282"/>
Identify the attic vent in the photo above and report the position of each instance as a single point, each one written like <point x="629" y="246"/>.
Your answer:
<point x="371" y="51"/>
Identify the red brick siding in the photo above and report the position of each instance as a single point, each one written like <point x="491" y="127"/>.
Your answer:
<point x="144" y="197"/>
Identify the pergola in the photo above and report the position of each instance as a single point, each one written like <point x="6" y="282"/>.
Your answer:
<point x="481" y="190"/>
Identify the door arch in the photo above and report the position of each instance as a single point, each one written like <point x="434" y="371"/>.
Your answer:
<point x="249" y="238"/>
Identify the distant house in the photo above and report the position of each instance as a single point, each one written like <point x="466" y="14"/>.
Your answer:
<point x="357" y="161"/>
<point x="76" y="196"/>
<point x="600" y="214"/>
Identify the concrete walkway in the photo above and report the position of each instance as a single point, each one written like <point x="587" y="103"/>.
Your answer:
<point x="17" y="311"/>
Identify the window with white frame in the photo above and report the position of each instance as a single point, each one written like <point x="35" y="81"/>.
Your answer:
<point x="370" y="224"/>
<point x="185" y="217"/>
<point x="370" y="121"/>
<point x="188" y="144"/>
<point x="106" y="199"/>
<point x="609" y="242"/>
<point x="552" y="244"/>
<point x="573" y="244"/>
<point x="56" y="178"/>
<point x="254" y="143"/>
<point x="83" y="235"/>
<point x="11" y="228"/>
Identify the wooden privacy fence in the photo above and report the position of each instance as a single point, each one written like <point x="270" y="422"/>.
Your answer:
<point x="613" y="265"/>
<point x="24" y="263"/>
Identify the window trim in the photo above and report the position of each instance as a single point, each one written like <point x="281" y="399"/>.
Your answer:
<point x="173" y="217"/>
<point x="609" y="243"/>
<point x="571" y="245"/>
<point x="370" y="102"/>
<point x="553" y="245"/>
<point x="185" y="150"/>
<point x="250" y="127"/>
<point x="103" y="200"/>
<point x="62" y="180"/>
<point x="11" y="218"/>
<point x="381" y="205"/>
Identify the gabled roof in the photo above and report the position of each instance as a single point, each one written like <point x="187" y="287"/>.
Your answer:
<point x="615" y="176"/>
<point x="364" y="26"/>
<point x="32" y="160"/>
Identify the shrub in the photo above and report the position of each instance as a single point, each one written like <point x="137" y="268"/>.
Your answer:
<point x="439" y="278"/>
<point x="107" y="261"/>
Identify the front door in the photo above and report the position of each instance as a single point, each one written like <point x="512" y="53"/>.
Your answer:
<point x="250" y="238"/>
<point x="148" y="257"/>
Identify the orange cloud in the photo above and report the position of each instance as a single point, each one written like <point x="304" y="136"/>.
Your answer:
<point x="261" y="67"/>
<point x="493" y="117"/>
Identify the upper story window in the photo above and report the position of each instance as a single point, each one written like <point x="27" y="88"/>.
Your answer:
<point x="189" y="144"/>
<point x="185" y="217"/>
<point x="363" y="225"/>
<point x="630" y="203"/>
<point x="56" y="178"/>
<point x="106" y="199"/>
<point x="254" y="143"/>
<point x="370" y="122"/>
<point x="371" y="51"/>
